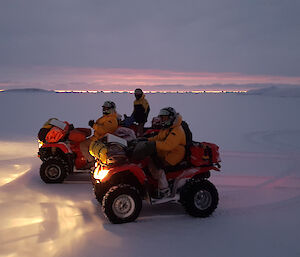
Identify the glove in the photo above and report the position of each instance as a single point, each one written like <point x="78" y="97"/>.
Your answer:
<point x="91" y="123"/>
<point x="137" y="140"/>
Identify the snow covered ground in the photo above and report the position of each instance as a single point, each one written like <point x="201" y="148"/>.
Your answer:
<point x="259" y="186"/>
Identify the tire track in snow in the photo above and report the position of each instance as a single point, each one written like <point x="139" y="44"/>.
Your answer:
<point x="287" y="146"/>
<point x="283" y="140"/>
<point x="288" y="178"/>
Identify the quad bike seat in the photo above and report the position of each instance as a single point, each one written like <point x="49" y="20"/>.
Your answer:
<point x="78" y="135"/>
<point x="180" y="166"/>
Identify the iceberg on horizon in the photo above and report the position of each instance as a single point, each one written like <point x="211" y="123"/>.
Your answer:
<point x="27" y="90"/>
<point x="288" y="91"/>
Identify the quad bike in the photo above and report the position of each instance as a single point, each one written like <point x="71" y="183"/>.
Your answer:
<point x="59" y="150"/>
<point x="121" y="182"/>
<point x="129" y="122"/>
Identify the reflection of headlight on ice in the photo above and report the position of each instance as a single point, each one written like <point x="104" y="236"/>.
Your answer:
<point x="100" y="173"/>
<point x="10" y="150"/>
<point x="15" y="171"/>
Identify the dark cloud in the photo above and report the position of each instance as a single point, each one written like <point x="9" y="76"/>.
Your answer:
<point x="250" y="37"/>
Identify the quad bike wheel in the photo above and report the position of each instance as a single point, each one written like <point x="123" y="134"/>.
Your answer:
<point x="100" y="190"/>
<point x="53" y="170"/>
<point x="121" y="204"/>
<point x="98" y="194"/>
<point x="199" y="198"/>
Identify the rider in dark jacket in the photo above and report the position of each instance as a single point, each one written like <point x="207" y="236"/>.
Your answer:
<point x="141" y="110"/>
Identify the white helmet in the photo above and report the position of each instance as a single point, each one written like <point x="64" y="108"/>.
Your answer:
<point x="171" y="113"/>
<point x="108" y="107"/>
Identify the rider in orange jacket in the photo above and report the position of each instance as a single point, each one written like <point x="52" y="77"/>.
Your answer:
<point x="170" y="146"/>
<point x="108" y="123"/>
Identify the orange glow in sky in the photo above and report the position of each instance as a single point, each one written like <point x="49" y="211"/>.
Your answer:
<point x="126" y="77"/>
<point x="73" y="78"/>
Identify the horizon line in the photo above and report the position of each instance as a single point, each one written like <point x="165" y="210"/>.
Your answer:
<point x="124" y="91"/>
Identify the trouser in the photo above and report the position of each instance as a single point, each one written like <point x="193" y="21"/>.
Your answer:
<point x="84" y="148"/>
<point x="158" y="174"/>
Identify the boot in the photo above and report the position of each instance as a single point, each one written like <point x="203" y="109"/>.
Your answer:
<point x="163" y="193"/>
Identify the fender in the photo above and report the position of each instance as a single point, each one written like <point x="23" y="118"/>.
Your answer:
<point x="62" y="146"/>
<point x="190" y="172"/>
<point x="134" y="169"/>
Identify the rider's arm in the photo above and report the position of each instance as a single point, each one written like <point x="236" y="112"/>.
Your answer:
<point x="169" y="143"/>
<point x="153" y="138"/>
<point x="145" y="105"/>
<point x="107" y="126"/>
<point x="159" y="137"/>
<point x="147" y="109"/>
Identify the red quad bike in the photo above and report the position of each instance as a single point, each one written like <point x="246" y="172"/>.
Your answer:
<point x="129" y="122"/>
<point x="59" y="149"/>
<point x="60" y="152"/>
<point x="121" y="183"/>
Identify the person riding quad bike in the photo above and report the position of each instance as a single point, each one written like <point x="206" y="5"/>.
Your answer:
<point x="108" y="123"/>
<point x="170" y="147"/>
<point x="121" y="179"/>
<point x="141" y="110"/>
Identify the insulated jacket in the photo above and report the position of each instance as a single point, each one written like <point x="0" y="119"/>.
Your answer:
<point x="141" y="110"/>
<point x="106" y="124"/>
<point x="170" y="142"/>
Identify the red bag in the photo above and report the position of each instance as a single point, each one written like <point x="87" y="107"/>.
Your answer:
<point x="57" y="133"/>
<point x="204" y="153"/>
<point x="54" y="135"/>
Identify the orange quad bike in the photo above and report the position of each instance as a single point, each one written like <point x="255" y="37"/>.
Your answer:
<point x="122" y="180"/>
<point x="59" y="150"/>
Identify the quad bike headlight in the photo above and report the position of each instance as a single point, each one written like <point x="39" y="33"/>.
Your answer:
<point x="40" y="143"/>
<point x="100" y="173"/>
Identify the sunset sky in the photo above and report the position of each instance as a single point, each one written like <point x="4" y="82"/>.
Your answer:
<point x="166" y="44"/>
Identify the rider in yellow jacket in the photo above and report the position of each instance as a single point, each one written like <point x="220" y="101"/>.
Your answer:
<point x="108" y="123"/>
<point x="170" y="146"/>
<point x="170" y="142"/>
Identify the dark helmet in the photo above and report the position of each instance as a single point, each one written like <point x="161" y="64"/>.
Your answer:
<point x="171" y="113"/>
<point x="108" y="107"/>
<point x="138" y="93"/>
<point x="156" y="122"/>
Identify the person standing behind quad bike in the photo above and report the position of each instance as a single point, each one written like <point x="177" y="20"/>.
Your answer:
<point x="108" y="123"/>
<point x="141" y="110"/>
<point x="170" y="147"/>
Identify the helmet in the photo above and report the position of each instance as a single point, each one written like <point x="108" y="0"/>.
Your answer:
<point x="156" y="122"/>
<point x="170" y="113"/>
<point x="108" y="107"/>
<point x="138" y="93"/>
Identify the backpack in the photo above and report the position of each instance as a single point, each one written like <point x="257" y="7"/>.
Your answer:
<point x="109" y="153"/>
<point x="188" y="138"/>
<point x="188" y="133"/>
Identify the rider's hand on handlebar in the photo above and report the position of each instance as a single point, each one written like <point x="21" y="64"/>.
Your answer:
<point x="140" y="139"/>
<point x="91" y="123"/>
<point x="137" y="140"/>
